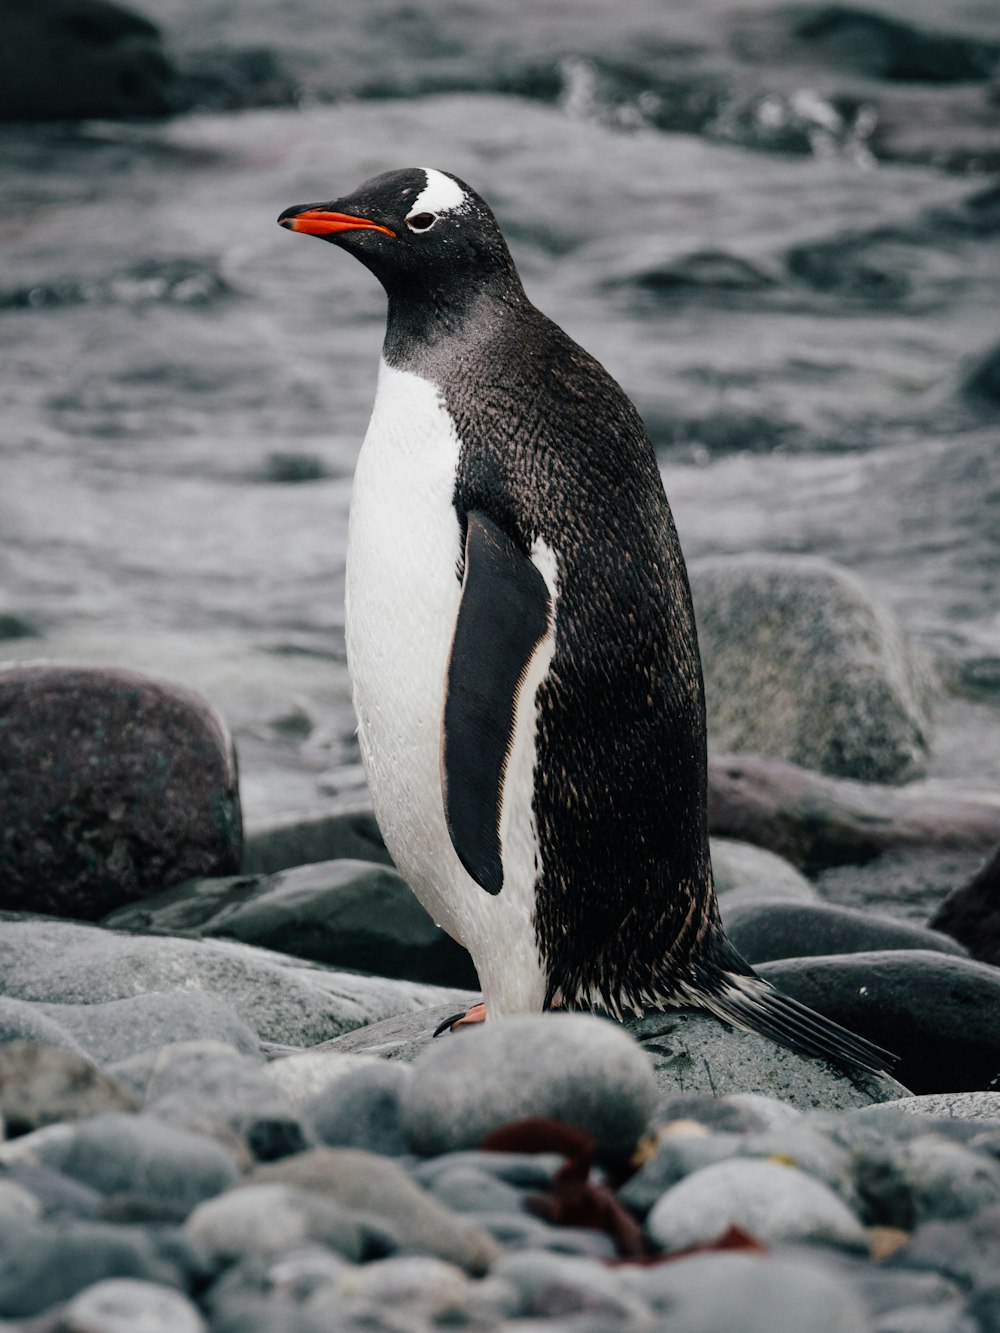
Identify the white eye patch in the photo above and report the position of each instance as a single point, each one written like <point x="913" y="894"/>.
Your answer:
<point x="440" y="195"/>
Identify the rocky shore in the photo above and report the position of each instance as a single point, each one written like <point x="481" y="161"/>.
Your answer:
<point x="224" y="1109"/>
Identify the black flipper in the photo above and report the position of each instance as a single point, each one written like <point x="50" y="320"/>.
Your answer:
<point x="751" y="1003"/>
<point x="503" y="616"/>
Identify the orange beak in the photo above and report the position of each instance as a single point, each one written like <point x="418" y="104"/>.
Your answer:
<point x="318" y="222"/>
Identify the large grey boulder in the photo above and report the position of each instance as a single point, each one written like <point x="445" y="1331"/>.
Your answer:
<point x="113" y="785"/>
<point x="803" y="662"/>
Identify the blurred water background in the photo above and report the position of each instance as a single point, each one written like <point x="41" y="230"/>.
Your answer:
<point x="778" y="227"/>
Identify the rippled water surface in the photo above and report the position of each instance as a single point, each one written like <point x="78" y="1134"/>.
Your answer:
<point x="792" y="301"/>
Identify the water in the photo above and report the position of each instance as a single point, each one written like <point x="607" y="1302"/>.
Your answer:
<point x="789" y="291"/>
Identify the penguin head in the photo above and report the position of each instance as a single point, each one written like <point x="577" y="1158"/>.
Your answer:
<point x="415" y="229"/>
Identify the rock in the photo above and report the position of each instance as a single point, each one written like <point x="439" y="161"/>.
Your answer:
<point x="982" y="383"/>
<point x="732" y="1113"/>
<point x="368" y="1184"/>
<point x="260" y="1291"/>
<point x="361" y="1109"/>
<point x="925" y="1179"/>
<point x="126" y="1305"/>
<point x="280" y="844"/>
<point x="114" y="785"/>
<point x="571" y="1067"/>
<point x="18" y="1203"/>
<point x="75" y="59"/>
<point x="722" y="1293"/>
<point x="904" y="1302"/>
<point x="142" y="1156"/>
<point x="21" y="1021"/>
<point x="432" y="1293"/>
<point x="553" y="1286"/>
<point x="48" y="1262"/>
<point x="957" y="1105"/>
<point x="803" y="663"/>
<point x="768" y="930"/>
<point x="971" y="914"/>
<point x="884" y="47"/>
<point x="712" y="270"/>
<point x="44" y="1085"/>
<point x="302" y="1076"/>
<point x="679" y="1154"/>
<point x="740" y="867"/>
<point x="816" y="821"/>
<point x="280" y="999"/>
<point x="401" y="1037"/>
<point x="269" y="1218"/>
<point x="346" y="913"/>
<point x="964" y="1251"/>
<point x="693" y="1052"/>
<point x="933" y="1011"/>
<point x="118" y="1029"/>
<point x="56" y="1194"/>
<point x="773" y="1203"/>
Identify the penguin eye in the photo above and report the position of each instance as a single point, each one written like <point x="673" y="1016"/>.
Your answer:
<point x="421" y="221"/>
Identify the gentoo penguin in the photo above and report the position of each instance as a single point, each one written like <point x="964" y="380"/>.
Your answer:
<point x="521" y="641"/>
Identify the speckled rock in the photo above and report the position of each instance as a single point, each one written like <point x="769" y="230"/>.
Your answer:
<point x="42" y="1085"/>
<point x="695" y="1053"/>
<point x="957" y="1105"/>
<point x="127" y="1305"/>
<point x="571" y="1067"/>
<point x="113" y="786"/>
<point x="772" y="1202"/>
<point x="802" y="662"/>
<point x="373" y="1185"/>
<point x="767" y="930"/>
<point x="345" y="913"/>
<point x="280" y="999"/>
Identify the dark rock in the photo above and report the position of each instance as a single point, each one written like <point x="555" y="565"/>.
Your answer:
<point x="912" y="881"/>
<point x="854" y="268"/>
<point x="927" y="1178"/>
<point x="15" y="627"/>
<point x="692" y="1052"/>
<point x="48" y="1262"/>
<point x="44" y="1085"/>
<point x="345" y="913"/>
<point x="982" y="383"/>
<point x="817" y="821"/>
<point x="729" y="1113"/>
<point x="361" y="1110"/>
<point x="571" y="1067"/>
<point x="224" y="79"/>
<point x="935" y="1012"/>
<point x="765" y="931"/>
<point x="281" y="999"/>
<point x="74" y="59"/>
<point x="703" y="269"/>
<point x="884" y="47"/>
<point x="366" y="1183"/>
<point x="803" y="663"/>
<point x="113" y="786"/>
<point x="971" y="914"/>
<point x="282" y="843"/>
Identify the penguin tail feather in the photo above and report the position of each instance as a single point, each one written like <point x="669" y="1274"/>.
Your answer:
<point x="751" y="1003"/>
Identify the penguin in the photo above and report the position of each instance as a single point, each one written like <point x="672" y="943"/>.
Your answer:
<point x="521" y="642"/>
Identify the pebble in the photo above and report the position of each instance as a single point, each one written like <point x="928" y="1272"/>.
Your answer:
<point x="926" y="1178"/>
<point x="762" y="931"/>
<point x="127" y="1305"/>
<point x="556" y="1286"/>
<point x="44" y="1085"/>
<point x="271" y="1217"/>
<point x="754" y="872"/>
<point x="934" y="1011"/>
<point x="304" y="1075"/>
<point x="361" y="1109"/>
<point x="571" y="1067"/>
<point x="770" y="1201"/>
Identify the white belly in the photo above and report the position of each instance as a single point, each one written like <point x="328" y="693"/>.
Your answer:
<point x="404" y="545"/>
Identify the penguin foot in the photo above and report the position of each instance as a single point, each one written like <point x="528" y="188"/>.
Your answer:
<point x="476" y="1014"/>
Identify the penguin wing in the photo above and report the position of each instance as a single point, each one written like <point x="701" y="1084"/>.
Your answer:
<point x="503" y="616"/>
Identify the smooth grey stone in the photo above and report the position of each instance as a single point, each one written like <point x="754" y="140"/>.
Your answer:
<point x="755" y="873"/>
<point x="57" y="1195"/>
<point x="733" y="1112"/>
<point x="48" y="1262"/>
<point x="140" y="1155"/>
<point x="556" y="1285"/>
<point x="145" y="792"/>
<point x="344" y="913"/>
<point x="44" y="1085"/>
<point x="303" y="1075"/>
<point x="925" y="1179"/>
<point x="804" y="663"/>
<point x="935" y="1012"/>
<point x="129" y="1305"/>
<point x="293" y="840"/>
<point x="281" y="999"/>
<point x="807" y="1148"/>
<point x="901" y="1300"/>
<point x="17" y="1202"/>
<point x="773" y="1203"/>
<point x="377" y="1186"/>
<point x="413" y="1291"/>
<point x="693" y="1053"/>
<point x="530" y="1171"/>
<point x="571" y="1067"/>
<point x="250" y="1314"/>
<point x="964" y="1251"/>
<point x="520" y="1231"/>
<point x="761" y="932"/>
<point x="293" y="1275"/>
<point x="676" y="1156"/>
<point x="20" y="1020"/>
<point x="361" y="1110"/>
<point x="467" y="1190"/>
<point x="120" y="1028"/>
<point x="741" y="1293"/>
<point x="267" y="1218"/>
